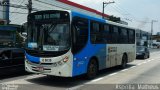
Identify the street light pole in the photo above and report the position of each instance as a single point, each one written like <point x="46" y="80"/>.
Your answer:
<point x="104" y="5"/>
<point x="152" y="31"/>
<point x="29" y="6"/>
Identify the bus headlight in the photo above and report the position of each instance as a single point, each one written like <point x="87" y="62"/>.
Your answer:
<point x="25" y="57"/>
<point x="66" y="59"/>
<point x="59" y="63"/>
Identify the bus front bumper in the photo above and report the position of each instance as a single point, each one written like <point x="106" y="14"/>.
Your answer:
<point x="64" y="70"/>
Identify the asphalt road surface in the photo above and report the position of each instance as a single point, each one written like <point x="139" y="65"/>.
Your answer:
<point x="140" y="74"/>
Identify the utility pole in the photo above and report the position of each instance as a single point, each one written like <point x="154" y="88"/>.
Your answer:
<point x="152" y="31"/>
<point x="104" y="5"/>
<point x="29" y="6"/>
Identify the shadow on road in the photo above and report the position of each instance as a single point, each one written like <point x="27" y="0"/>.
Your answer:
<point x="13" y="75"/>
<point x="53" y="81"/>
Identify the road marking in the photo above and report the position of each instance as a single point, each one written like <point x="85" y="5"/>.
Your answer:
<point x="139" y="64"/>
<point x="96" y="80"/>
<point x="75" y="88"/>
<point x="132" y="67"/>
<point x="112" y="74"/>
<point x="124" y="70"/>
<point x="148" y="61"/>
<point x="144" y="62"/>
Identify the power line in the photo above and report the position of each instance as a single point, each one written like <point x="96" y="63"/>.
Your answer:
<point x="13" y="12"/>
<point x="29" y="6"/>
<point x="49" y="4"/>
<point x="19" y="4"/>
<point x="122" y="11"/>
<point x="42" y="5"/>
<point x="117" y="10"/>
<point x="129" y="14"/>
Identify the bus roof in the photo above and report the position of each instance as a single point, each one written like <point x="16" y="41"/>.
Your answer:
<point x="101" y="20"/>
<point x="74" y="13"/>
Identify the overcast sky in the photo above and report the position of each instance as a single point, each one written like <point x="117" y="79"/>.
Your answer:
<point x="138" y="13"/>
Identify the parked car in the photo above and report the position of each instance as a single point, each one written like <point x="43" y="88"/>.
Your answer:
<point x="154" y="45"/>
<point x="142" y="52"/>
<point x="11" y="60"/>
<point x="11" y="52"/>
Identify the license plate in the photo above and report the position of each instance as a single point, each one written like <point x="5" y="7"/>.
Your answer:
<point x="46" y="60"/>
<point x="39" y="68"/>
<point x="50" y="48"/>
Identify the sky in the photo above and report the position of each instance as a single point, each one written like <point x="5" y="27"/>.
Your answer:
<point x="138" y="13"/>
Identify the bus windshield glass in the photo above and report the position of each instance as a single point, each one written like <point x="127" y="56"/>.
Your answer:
<point x="49" y="31"/>
<point x="49" y="36"/>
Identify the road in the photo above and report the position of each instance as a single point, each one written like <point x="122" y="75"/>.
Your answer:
<point x="138" y="72"/>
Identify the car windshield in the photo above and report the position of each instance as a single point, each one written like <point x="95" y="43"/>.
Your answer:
<point x="140" y="49"/>
<point x="49" y="37"/>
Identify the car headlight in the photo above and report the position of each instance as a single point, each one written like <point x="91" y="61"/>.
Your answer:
<point x="139" y="53"/>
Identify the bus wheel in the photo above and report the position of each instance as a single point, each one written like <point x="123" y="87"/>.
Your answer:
<point x="124" y="62"/>
<point x="92" y="69"/>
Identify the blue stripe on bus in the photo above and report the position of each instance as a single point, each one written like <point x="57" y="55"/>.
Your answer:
<point x="82" y="59"/>
<point x="32" y="58"/>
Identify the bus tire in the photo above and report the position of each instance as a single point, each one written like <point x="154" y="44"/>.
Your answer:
<point x="92" y="69"/>
<point x="124" y="62"/>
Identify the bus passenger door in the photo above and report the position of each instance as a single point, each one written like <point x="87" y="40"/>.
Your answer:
<point x="112" y="56"/>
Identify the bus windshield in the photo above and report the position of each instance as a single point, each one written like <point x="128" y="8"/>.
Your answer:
<point x="49" y="36"/>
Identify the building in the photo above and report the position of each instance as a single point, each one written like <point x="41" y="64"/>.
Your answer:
<point x="4" y="12"/>
<point x="68" y="5"/>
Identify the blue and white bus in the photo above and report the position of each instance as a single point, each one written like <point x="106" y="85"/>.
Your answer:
<point x="67" y="44"/>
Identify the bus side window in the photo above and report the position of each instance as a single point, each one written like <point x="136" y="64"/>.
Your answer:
<point x="131" y="36"/>
<point x="123" y="36"/>
<point x="106" y="35"/>
<point x="115" y="34"/>
<point x="80" y="33"/>
<point x="111" y="34"/>
<point x="95" y="29"/>
<point x="100" y="39"/>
